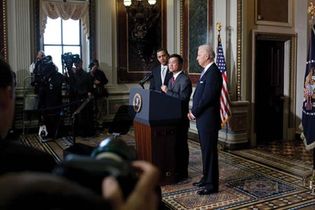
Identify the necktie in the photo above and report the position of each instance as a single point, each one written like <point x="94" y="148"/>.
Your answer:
<point x="173" y="81"/>
<point x="163" y="73"/>
<point x="202" y="73"/>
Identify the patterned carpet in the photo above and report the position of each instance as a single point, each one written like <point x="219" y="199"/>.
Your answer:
<point x="244" y="184"/>
<point x="293" y="166"/>
<point x="249" y="179"/>
<point x="56" y="147"/>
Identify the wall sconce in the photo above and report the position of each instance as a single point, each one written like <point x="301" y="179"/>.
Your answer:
<point x="128" y="3"/>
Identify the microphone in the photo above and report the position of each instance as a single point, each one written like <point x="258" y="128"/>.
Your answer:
<point x="145" y="79"/>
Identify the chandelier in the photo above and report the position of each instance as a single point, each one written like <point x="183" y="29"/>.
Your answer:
<point x="128" y="3"/>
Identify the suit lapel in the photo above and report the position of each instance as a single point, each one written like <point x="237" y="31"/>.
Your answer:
<point x="177" y="81"/>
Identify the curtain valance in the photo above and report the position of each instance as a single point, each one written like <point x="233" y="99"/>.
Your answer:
<point x="64" y="9"/>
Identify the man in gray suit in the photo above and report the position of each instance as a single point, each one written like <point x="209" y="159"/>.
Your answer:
<point x="179" y="86"/>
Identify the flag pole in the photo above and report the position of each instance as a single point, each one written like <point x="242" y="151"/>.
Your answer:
<point x="219" y="27"/>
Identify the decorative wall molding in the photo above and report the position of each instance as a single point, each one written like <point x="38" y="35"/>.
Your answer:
<point x="141" y="32"/>
<point x="197" y="26"/>
<point x="239" y="49"/>
<point x="279" y="14"/>
<point x="4" y="31"/>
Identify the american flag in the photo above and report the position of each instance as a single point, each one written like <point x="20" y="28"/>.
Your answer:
<point x="308" y="109"/>
<point x="225" y="110"/>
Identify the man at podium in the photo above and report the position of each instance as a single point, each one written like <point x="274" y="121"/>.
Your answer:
<point x="160" y="74"/>
<point x="180" y="86"/>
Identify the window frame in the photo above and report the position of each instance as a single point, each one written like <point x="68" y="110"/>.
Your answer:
<point x="62" y="45"/>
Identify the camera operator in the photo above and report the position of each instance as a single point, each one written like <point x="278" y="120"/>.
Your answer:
<point x="100" y="92"/>
<point x="81" y="88"/>
<point x="34" y="69"/>
<point x="50" y="97"/>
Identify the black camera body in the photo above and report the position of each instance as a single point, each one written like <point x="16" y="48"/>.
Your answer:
<point x="68" y="59"/>
<point x="111" y="158"/>
<point x="40" y="73"/>
<point x="47" y="60"/>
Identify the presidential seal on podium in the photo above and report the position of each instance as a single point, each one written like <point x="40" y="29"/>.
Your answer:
<point x="137" y="102"/>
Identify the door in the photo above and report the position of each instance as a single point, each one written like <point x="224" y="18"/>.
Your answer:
<point x="269" y="90"/>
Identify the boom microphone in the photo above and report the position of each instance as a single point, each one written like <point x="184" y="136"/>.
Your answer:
<point x="145" y="79"/>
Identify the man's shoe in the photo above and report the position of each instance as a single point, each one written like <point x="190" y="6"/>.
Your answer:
<point x="199" y="184"/>
<point x="206" y="191"/>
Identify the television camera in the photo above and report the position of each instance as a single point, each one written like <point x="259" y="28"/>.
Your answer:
<point x="68" y="59"/>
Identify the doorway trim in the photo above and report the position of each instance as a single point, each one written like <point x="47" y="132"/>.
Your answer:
<point x="289" y="105"/>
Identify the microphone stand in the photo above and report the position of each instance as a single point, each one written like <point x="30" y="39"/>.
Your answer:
<point x="76" y="113"/>
<point x="145" y="79"/>
<point x="141" y="84"/>
<point x="75" y="148"/>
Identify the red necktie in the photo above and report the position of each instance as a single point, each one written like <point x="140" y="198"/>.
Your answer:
<point x="173" y="81"/>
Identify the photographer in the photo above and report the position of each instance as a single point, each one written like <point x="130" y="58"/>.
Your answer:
<point x="99" y="90"/>
<point x="80" y="89"/>
<point x="19" y="190"/>
<point x="49" y="83"/>
<point x="15" y="157"/>
<point x="40" y="55"/>
<point x="35" y="71"/>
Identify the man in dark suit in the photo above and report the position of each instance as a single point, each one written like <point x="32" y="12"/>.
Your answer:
<point x="161" y="74"/>
<point x="206" y="111"/>
<point x="179" y="86"/>
<point x="15" y="157"/>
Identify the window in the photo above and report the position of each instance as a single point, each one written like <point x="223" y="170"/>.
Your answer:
<point x="62" y="36"/>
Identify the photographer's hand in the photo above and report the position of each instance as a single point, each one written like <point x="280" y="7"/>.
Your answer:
<point x="143" y="196"/>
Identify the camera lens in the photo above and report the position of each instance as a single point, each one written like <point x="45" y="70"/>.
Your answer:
<point x="111" y="158"/>
<point x="114" y="146"/>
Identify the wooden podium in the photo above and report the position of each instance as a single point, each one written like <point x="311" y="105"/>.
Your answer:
<point x="156" y="118"/>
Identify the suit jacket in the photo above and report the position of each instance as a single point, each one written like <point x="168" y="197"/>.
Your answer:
<point x="156" y="82"/>
<point x="182" y="90"/>
<point x="15" y="157"/>
<point x="206" y="100"/>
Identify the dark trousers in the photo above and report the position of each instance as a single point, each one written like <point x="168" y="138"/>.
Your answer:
<point x="181" y="151"/>
<point x="210" y="162"/>
<point x="53" y="123"/>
